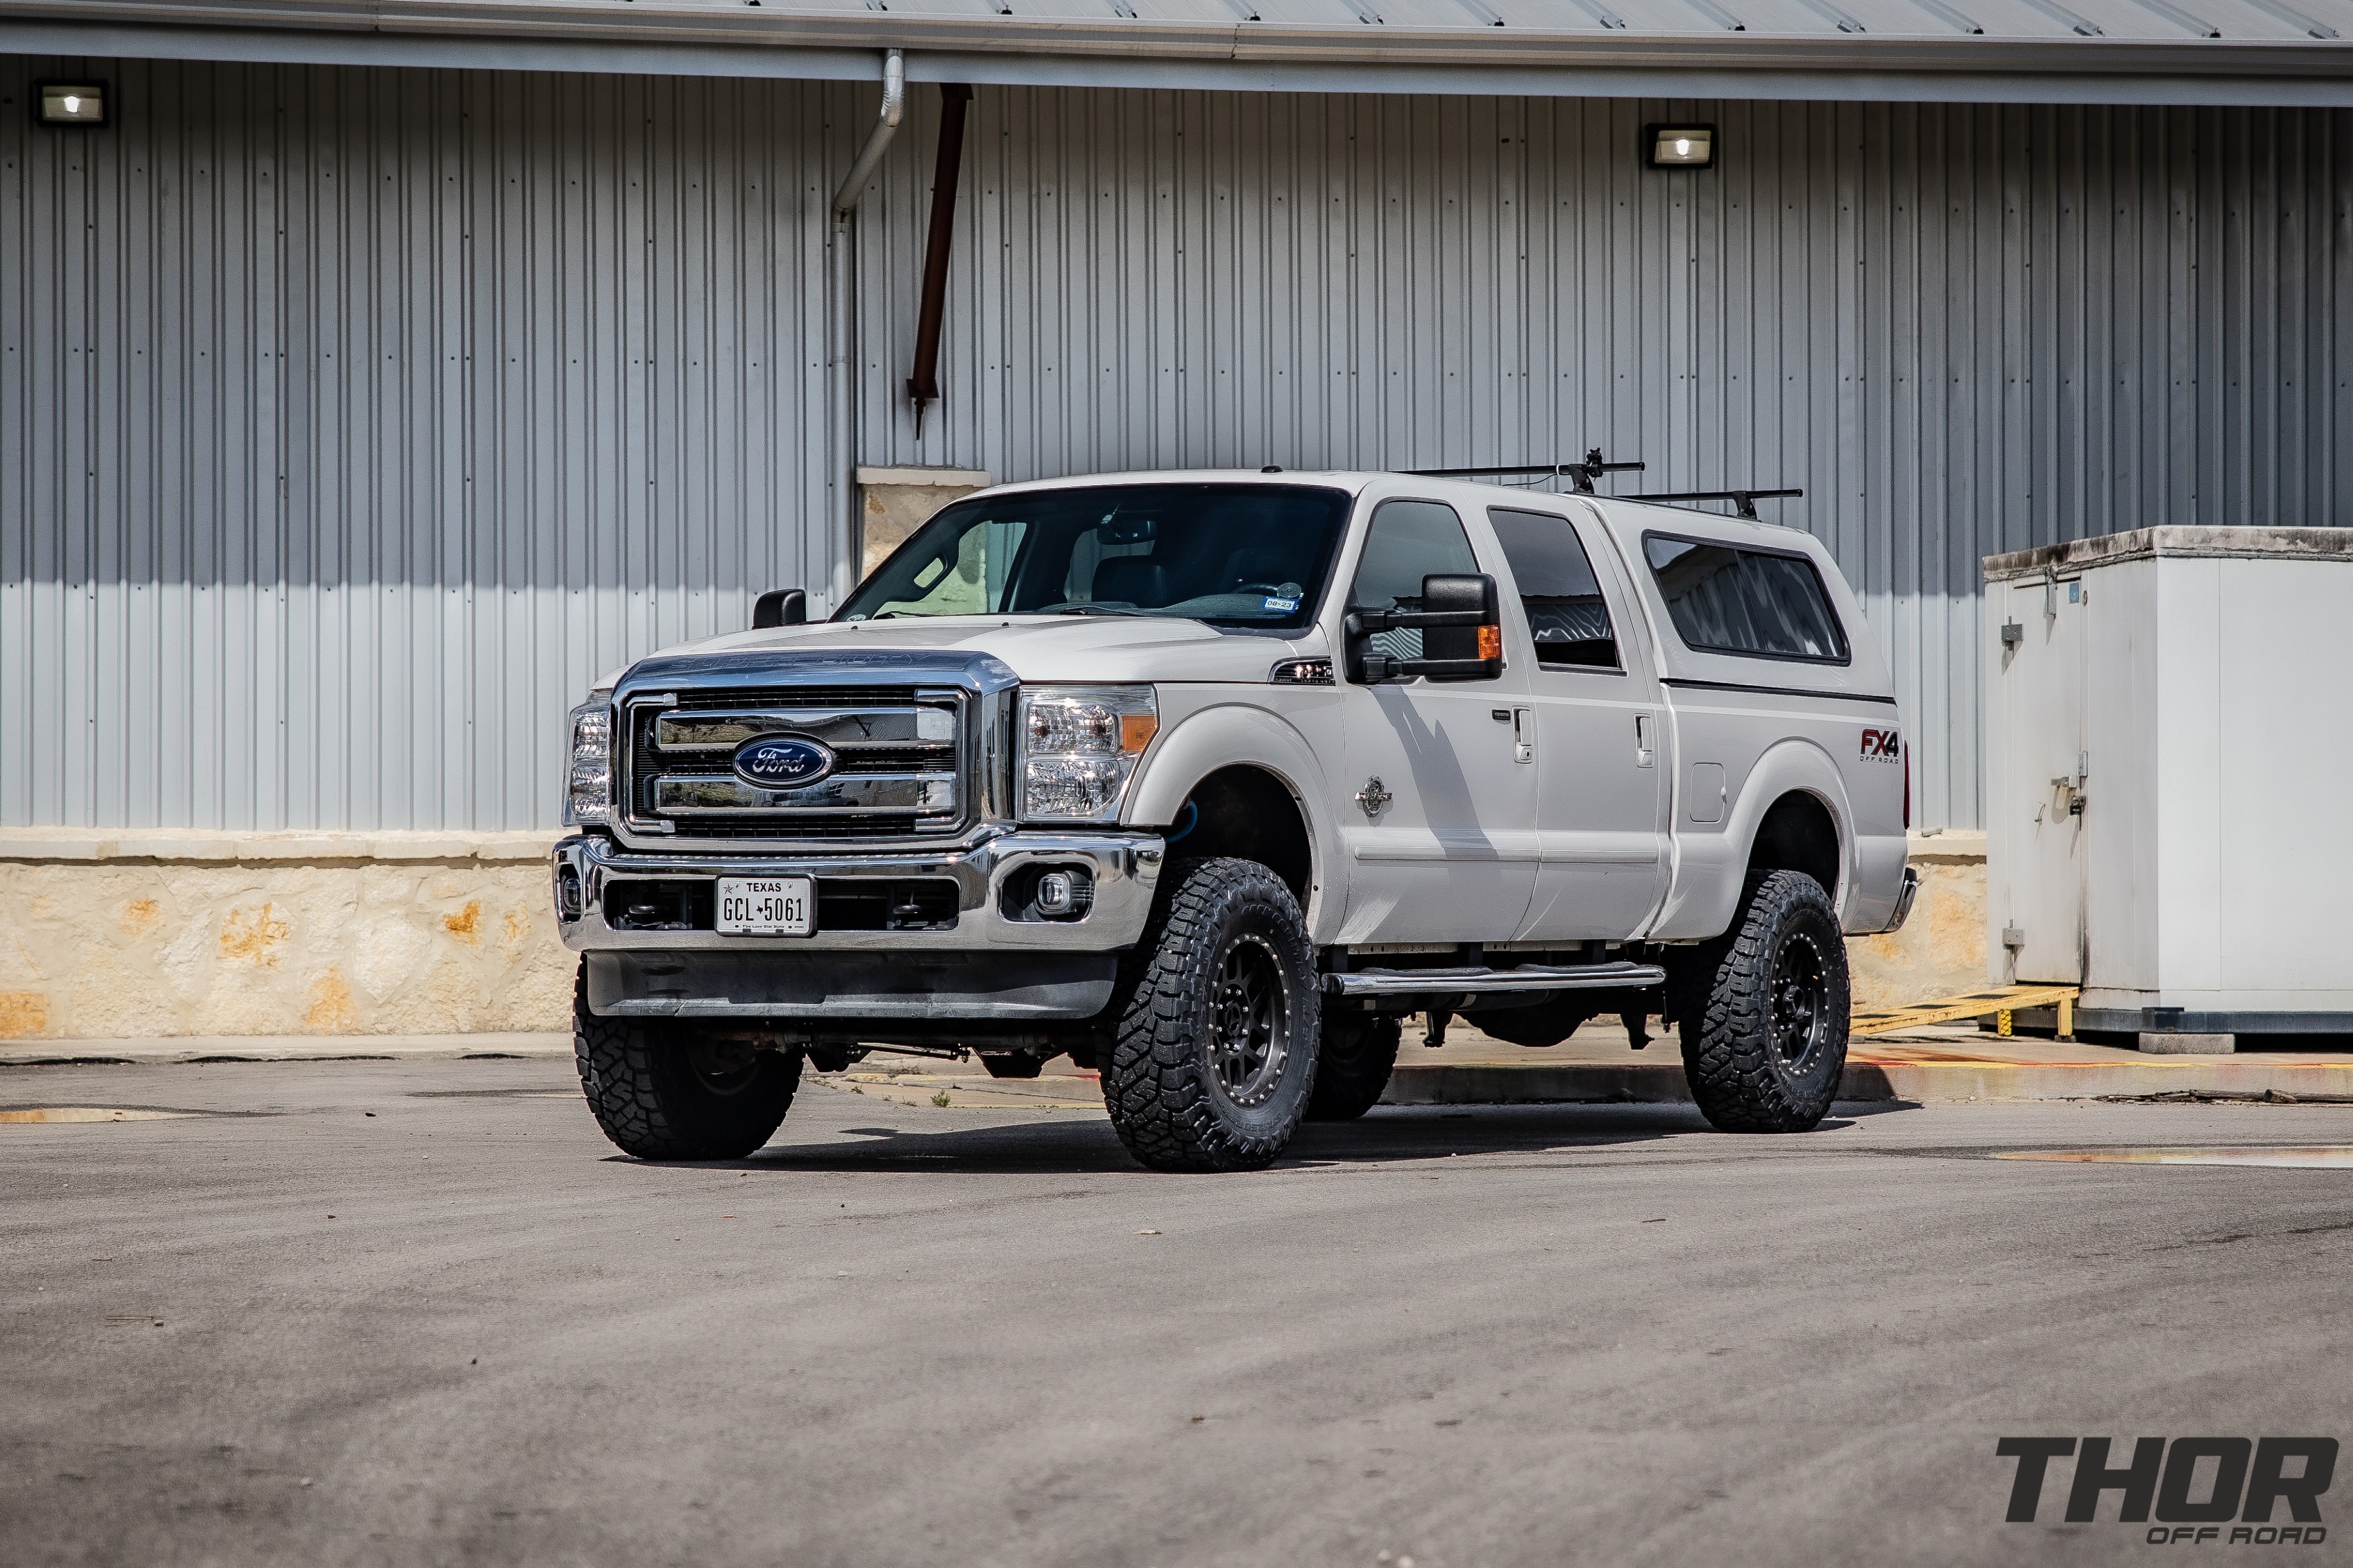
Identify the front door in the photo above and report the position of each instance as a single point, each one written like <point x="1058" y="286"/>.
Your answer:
<point x="2036" y="907"/>
<point x="1438" y="815"/>
<point x="1597" y="739"/>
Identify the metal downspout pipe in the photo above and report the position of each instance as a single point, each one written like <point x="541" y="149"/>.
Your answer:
<point x="845" y="423"/>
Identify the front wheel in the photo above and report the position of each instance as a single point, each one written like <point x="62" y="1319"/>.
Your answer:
<point x="663" y="1091"/>
<point x="1764" y="1032"/>
<point x="1214" y="1059"/>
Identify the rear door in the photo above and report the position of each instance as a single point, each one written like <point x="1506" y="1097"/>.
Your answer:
<point x="1439" y="818"/>
<point x="1593" y="727"/>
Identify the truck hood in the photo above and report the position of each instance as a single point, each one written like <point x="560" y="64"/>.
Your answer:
<point x="1038" y="647"/>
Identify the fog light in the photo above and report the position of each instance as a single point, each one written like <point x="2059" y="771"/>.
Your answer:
<point x="569" y="904"/>
<point x="72" y="104"/>
<point x="1056" y="893"/>
<point x="1681" y="146"/>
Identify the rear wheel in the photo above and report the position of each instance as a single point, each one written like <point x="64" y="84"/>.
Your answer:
<point x="1214" y="1059"/>
<point x="1764" y="1027"/>
<point x="1359" y="1053"/>
<point x="665" y="1092"/>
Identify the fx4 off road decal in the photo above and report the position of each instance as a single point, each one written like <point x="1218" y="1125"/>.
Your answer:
<point x="1883" y="745"/>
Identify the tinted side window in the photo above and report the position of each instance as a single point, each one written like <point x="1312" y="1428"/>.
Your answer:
<point x="1565" y="612"/>
<point x="1409" y="540"/>
<point x="1759" y="602"/>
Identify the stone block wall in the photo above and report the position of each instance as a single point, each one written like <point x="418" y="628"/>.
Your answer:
<point x="152" y="934"/>
<point x="111" y="935"/>
<point x="894" y="503"/>
<point x="1941" y="950"/>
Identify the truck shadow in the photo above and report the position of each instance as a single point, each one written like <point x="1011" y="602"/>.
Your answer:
<point x="1391" y="1135"/>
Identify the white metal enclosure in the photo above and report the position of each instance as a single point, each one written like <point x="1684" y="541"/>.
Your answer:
<point x="2168" y="747"/>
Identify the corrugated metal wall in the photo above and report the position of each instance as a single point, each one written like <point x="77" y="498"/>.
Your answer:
<point x="550" y="390"/>
<point x="351" y="422"/>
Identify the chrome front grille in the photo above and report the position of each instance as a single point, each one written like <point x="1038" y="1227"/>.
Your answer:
<point x="898" y="774"/>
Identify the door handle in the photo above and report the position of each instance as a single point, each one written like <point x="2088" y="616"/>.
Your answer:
<point x="1646" y="755"/>
<point x="1523" y="735"/>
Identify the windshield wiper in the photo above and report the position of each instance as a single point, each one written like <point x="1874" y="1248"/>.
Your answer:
<point x="1095" y="610"/>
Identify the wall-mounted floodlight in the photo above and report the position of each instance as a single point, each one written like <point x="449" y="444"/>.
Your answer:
<point x="70" y="103"/>
<point x="1680" y="146"/>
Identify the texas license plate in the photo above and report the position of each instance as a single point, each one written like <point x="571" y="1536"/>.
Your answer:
<point x="767" y="906"/>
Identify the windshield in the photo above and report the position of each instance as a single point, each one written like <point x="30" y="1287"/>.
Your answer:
<point x="1252" y="555"/>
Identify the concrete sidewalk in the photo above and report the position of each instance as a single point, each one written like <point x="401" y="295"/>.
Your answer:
<point x="1950" y="1064"/>
<point x="282" y="1048"/>
<point x="1955" y="1062"/>
<point x="1946" y="1063"/>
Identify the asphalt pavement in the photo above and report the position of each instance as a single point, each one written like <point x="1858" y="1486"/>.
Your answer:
<point x="420" y="1313"/>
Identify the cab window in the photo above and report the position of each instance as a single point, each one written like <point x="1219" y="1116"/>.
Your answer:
<point x="1566" y="615"/>
<point x="1409" y="540"/>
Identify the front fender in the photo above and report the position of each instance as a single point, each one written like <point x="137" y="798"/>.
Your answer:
<point x="1239" y="734"/>
<point x="1709" y="868"/>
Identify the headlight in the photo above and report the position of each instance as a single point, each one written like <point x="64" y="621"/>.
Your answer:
<point x="588" y="769"/>
<point x="1079" y="748"/>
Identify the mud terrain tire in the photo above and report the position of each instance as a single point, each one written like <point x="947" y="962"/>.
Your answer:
<point x="665" y="1092"/>
<point x="1764" y="1010"/>
<point x="1213" y="1057"/>
<point x="1359" y="1053"/>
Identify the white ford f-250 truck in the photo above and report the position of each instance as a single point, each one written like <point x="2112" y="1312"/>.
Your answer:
<point x="1207" y="778"/>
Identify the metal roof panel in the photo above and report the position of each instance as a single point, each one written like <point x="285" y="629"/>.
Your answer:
<point x="2274" y="52"/>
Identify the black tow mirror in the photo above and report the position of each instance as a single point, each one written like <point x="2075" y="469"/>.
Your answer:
<point x="780" y="607"/>
<point x="1461" y="633"/>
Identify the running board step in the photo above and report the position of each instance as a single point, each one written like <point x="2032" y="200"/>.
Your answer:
<point x="1521" y="978"/>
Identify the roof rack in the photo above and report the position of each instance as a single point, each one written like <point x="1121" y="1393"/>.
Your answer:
<point x="1743" y="502"/>
<point x="1582" y="476"/>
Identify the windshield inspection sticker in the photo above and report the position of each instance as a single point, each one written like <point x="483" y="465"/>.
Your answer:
<point x="1273" y="603"/>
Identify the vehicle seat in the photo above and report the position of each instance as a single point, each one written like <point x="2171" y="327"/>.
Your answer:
<point x="1136" y="580"/>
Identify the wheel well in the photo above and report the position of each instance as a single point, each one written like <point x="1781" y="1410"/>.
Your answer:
<point x="1248" y="812"/>
<point x="1797" y="835"/>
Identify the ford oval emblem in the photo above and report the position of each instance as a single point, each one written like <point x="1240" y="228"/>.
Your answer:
<point x="782" y="762"/>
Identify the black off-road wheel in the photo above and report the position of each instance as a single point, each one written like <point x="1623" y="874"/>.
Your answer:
<point x="1359" y="1053"/>
<point x="1764" y="1015"/>
<point x="1213" y="1057"/>
<point x="667" y="1091"/>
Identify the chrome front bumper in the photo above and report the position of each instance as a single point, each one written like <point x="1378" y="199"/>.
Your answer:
<point x="1126" y="869"/>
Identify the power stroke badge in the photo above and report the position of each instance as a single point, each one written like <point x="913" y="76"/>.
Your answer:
<point x="2215" y="1490"/>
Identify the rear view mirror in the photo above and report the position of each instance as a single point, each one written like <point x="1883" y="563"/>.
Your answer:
<point x="780" y="607"/>
<point x="1462" y="633"/>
